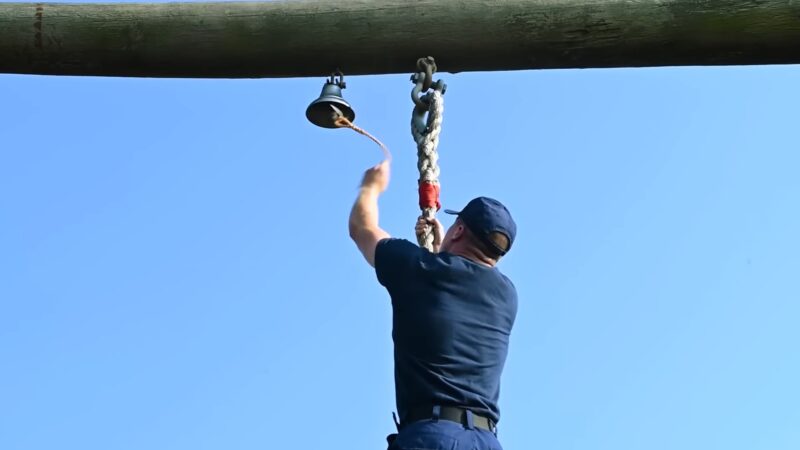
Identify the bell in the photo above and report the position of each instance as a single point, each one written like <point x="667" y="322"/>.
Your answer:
<point x="330" y="105"/>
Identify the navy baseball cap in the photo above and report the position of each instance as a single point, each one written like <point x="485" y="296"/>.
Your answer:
<point x="484" y="215"/>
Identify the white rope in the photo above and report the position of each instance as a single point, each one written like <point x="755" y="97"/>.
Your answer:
<point x="428" y="158"/>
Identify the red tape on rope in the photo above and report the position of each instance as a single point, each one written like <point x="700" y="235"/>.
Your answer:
<point x="429" y="195"/>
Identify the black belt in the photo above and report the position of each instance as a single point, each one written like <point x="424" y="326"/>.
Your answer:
<point x="451" y="413"/>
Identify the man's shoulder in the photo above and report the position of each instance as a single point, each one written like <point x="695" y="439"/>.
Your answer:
<point x="512" y="299"/>
<point x="509" y="285"/>
<point x="505" y="279"/>
<point x="499" y="286"/>
<point x="394" y="247"/>
<point x="394" y="258"/>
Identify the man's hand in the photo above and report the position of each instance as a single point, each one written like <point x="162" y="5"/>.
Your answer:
<point x="438" y="231"/>
<point x="377" y="178"/>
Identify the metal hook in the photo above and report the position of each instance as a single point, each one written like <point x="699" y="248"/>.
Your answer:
<point x="337" y="78"/>
<point x="423" y="82"/>
<point x="419" y="80"/>
<point x="420" y="115"/>
<point x="428" y="66"/>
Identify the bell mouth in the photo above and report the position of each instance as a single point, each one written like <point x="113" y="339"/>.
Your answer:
<point x="322" y="114"/>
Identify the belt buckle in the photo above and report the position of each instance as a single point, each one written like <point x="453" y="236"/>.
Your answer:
<point x="492" y="426"/>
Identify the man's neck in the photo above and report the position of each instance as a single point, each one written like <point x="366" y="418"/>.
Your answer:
<point x="474" y="257"/>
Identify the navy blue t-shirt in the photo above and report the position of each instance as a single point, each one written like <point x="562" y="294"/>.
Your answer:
<point x="451" y="323"/>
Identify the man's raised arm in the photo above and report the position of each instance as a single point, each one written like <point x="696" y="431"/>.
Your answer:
<point x="364" y="229"/>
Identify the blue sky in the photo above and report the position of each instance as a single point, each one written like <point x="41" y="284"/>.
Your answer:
<point x="175" y="270"/>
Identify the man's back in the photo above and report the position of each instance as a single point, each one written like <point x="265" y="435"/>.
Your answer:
<point x="452" y="320"/>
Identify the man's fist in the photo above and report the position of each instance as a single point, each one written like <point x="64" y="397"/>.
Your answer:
<point x="438" y="231"/>
<point x="377" y="178"/>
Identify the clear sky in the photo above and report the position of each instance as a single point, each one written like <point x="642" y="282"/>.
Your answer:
<point x="175" y="270"/>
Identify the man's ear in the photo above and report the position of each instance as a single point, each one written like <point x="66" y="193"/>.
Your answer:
<point x="458" y="232"/>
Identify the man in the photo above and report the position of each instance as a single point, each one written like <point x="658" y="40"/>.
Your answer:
<point x="452" y="316"/>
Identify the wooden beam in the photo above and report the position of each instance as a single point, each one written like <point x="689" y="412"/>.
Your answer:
<point x="312" y="38"/>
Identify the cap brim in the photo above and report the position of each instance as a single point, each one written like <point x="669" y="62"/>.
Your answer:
<point x="450" y="211"/>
